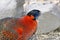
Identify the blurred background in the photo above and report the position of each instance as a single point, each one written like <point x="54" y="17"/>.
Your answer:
<point x="48" y="22"/>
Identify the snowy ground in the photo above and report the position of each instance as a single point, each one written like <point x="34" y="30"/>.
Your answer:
<point x="50" y="36"/>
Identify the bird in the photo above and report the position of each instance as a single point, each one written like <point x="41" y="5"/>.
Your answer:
<point x="19" y="28"/>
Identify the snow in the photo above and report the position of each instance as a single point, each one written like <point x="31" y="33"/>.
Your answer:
<point x="7" y="8"/>
<point x="7" y="4"/>
<point x="43" y="7"/>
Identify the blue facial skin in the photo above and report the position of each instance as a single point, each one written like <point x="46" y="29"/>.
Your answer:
<point x="35" y="13"/>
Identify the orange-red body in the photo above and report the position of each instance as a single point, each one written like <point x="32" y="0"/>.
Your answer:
<point x="24" y="27"/>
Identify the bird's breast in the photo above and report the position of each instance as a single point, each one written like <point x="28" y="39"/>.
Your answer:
<point x="29" y="26"/>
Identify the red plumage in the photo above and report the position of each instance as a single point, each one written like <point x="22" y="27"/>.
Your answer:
<point x="18" y="28"/>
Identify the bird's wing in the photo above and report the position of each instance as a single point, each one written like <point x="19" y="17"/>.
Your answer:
<point x="6" y="29"/>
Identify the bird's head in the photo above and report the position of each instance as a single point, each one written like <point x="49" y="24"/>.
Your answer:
<point x="34" y="13"/>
